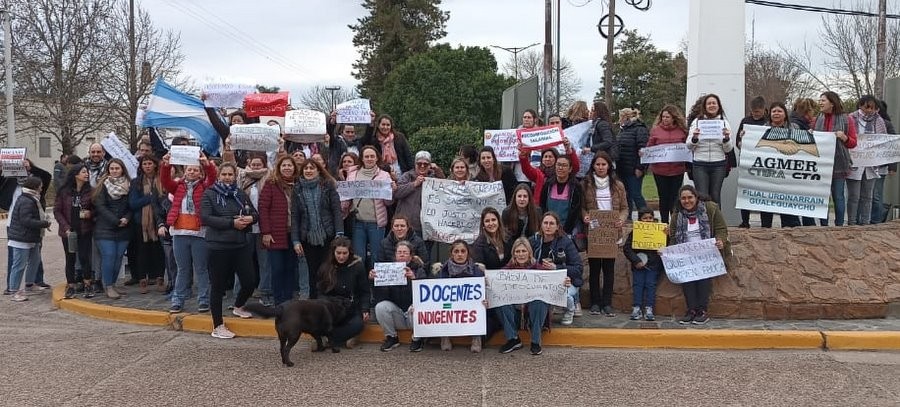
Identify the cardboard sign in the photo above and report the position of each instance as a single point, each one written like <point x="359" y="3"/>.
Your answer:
<point x="13" y="162"/>
<point x="540" y="138"/>
<point x="356" y="111"/>
<point x="667" y="153"/>
<point x="365" y="189"/>
<point x="452" y="210"/>
<point x="449" y="307"/>
<point x="226" y="94"/>
<point x="254" y="137"/>
<point x="603" y="235"/>
<point x="304" y="126"/>
<point x="648" y="235"/>
<point x="184" y="155"/>
<point x="513" y="287"/>
<point x="874" y="150"/>
<point x="693" y="261"/>
<point x="785" y="171"/>
<point x="505" y="144"/>
<point x="390" y="274"/>
<point x="265" y="104"/>
<point x="117" y="149"/>
<point x="711" y="129"/>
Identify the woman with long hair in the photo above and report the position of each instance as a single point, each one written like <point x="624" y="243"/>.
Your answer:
<point x="317" y="219"/>
<point x="491" y="247"/>
<point x="390" y="144"/>
<point x="832" y="118"/>
<point x="669" y="128"/>
<point x="490" y="170"/>
<point x="632" y="138"/>
<point x="460" y="265"/>
<point x="555" y="250"/>
<point x="602" y="138"/>
<point x="343" y="275"/>
<point x="146" y="190"/>
<point x="459" y="170"/>
<point x="112" y="229"/>
<point x="521" y="217"/>
<point x="74" y="212"/>
<point x="370" y="215"/>
<point x="275" y="221"/>
<point x="578" y="113"/>
<point x="537" y="310"/>
<point x="251" y="181"/>
<point x="710" y="166"/>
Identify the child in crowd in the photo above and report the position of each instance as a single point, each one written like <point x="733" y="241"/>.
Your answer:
<point x="645" y="268"/>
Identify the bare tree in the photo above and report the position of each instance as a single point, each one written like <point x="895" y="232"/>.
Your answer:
<point x="774" y="76"/>
<point x="61" y="50"/>
<point x="531" y="63"/>
<point x="319" y="98"/>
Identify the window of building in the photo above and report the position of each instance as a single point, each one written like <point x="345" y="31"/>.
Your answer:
<point x="44" y="147"/>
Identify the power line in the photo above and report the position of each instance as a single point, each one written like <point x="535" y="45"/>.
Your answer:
<point x="817" y="9"/>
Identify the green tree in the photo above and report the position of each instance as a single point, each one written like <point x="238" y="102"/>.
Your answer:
<point x="645" y="77"/>
<point x="443" y="141"/>
<point x="393" y="31"/>
<point x="445" y="85"/>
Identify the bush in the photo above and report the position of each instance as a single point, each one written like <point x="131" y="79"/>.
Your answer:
<point x="443" y="141"/>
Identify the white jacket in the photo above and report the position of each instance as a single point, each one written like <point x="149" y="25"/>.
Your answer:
<point x="710" y="150"/>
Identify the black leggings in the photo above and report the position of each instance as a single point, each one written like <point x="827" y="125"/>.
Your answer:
<point x="696" y="294"/>
<point x="315" y="255"/>
<point x="84" y="251"/>
<point x="667" y="187"/>
<point x="150" y="260"/>
<point x="608" y="268"/>
<point x="221" y="264"/>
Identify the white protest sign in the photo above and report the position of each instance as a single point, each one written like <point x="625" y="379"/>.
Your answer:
<point x="785" y="171"/>
<point x="356" y="111"/>
<point x="666" y="153"/>
<point x="365" y="189"/>
<point x="693" y="261"/>
<point x="873" y="150"/>
<point x="579" y="137"/>
<point x="539" y="138"/>
<point x="505" y="144"/>
<point x="711" y="129"/>
<point x="117" y="149"/>
<point x="184" y="155"/>
<point x="226" y="94"/>
<point x="254" y="137"/>
<point x="512" y="287"/>
<point x="452" y="210"/>
<point x="304" y="126"/>
<point x="390" y="274"/>
<point x="13" y="162"/>
<point x="449" y="307"/>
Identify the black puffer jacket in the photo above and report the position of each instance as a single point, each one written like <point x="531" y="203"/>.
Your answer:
<point x="603" y="139"/>
<point x="218" y="216"/>
<point x="108" y="212"/>
<point x="401" y="295"/>
<point x="351" y="282"/>
<point x="631" y="139"/>
<point x="329" y="212"/>
<point x="389" y="246"/>
<point x="25" y="222"/>
<point x="485" y="253"/>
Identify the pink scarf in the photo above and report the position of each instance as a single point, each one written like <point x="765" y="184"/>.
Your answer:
<point x="388" y="154"/>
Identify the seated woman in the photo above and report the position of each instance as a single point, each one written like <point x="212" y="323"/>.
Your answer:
<point x="555" y="251"/>
<point x="491" y="248"/>
<point x="460" y="265"/>
<point x="393" y="304"/>
<point x="401" y="230"/>
<point x="343" y="275"/>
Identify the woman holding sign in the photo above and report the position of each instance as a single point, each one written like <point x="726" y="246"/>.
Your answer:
<point x="557" y="251"/>
<point x="603" y="192"/>
<point x="317" y="218"/>
<point x="710" y="147"/>
<point x="370" y="216"/>
<point x="460" y="265"/>
<point x="669" y="129"/>
<point x="833" y="119"/>
<point x="695" y="220"/>
<point x="523" y="258"/>
<point x="393" y="304"/>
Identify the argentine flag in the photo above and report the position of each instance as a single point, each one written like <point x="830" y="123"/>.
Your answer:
<point x="169" y="107"/>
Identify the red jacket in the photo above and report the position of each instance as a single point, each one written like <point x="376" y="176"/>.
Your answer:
<point x="660" y="135"/>
<point x="177" y="188"/>
<point x="537" y="176"/>
<point x="273" y="216"/>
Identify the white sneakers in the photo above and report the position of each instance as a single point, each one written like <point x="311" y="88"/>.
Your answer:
<point x="19" y="296"/>
<point x="239" y="312"/>
<point x="568" y="318"/>
<point x="222" y="332"/>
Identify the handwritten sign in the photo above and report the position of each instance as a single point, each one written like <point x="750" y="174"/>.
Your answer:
<point x="512" y="287"/>
<point x="505" y="144"/>
<point x="603" y="235"/>
<point x="365" y="189"/>
<point x="873" y="150"/>
<point x="356" y="111"/>
<point x="265" y="104"/>
<point x="540" y="138"/>
<point x="304" y="126"/>
<point x="390" y="274"/>
<point x="648" y="236"/>
<point x="184" y="155"/>
<point x="117" y="149"/>
<point x="693" y="261"/>
<point x="667" y="153"/>
<point x="13" y="162"/>
<point x="254" y="137"/>
<point x="711" y="129"/>
<point x="452" y="210"/>
<point x="449" y="307"/>
<point x="226" y="94"/>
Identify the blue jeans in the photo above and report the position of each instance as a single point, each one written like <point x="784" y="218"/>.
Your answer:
<point x="24" y="264"/>
<point x="708" y="179"/>
<point x="111" y="252"/>
<point x="283" y="270"/>
<point x="571" y="298"/>
<point x="39" y="275"/>
<point x="537" y="314"/>
<point x="633" y="185"/>
<point x="877" y="207"/>
<point x="839" y="196"/>
<point x="367" y="233"/>
<point x="303" y="277"/>
<point x="643" y="287"/>
<point x="190" y="257"/>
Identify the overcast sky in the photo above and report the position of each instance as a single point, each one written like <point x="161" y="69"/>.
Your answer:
<point x="295" y="44"/>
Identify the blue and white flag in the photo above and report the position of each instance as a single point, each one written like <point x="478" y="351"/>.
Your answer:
<point x="168" y="107"/>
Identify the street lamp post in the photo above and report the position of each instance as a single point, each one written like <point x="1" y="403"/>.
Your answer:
<point x="515" y="51"/>
<point x="333" y="89"/>
<point x="7" y="57"/>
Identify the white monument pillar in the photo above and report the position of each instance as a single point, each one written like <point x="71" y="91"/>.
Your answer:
<point x="716" y="65"/>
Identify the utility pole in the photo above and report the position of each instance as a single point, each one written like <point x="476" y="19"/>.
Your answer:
<point x="333" y="89"/>
<point x="548" y="54"/>
<point x="558" y="53"/>
<point x="515" y="51"/>
<point x="7" y="58"/>
<point x="610" y="48"/>
<point x="132" y="75"/>
<point x="880" y="48"/>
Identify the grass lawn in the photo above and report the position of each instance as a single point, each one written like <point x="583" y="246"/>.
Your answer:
<point x="649" y="188"/>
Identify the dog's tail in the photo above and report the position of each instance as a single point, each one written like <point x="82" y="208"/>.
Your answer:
<point x="262" y="310"/>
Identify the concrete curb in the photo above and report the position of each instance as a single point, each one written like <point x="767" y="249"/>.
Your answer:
<point x="571" y="337"/>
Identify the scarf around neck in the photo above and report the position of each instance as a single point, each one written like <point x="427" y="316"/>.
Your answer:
<point x="312" y="196"/>
<point x="388" y="153"/>
<point x="116" y="187"/>
<point x="368" y="173"/>
<point x="460" y="270"/>
<point x="684" y="216"/>
<point x="872" y="124"/>
<point x="224" y="192"/>
<point x="187" y="204"/>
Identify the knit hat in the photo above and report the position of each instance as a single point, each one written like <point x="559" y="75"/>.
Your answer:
<point x="423" y="155"/>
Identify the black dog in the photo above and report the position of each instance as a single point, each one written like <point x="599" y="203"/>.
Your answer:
<point x="315" y="317"/>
